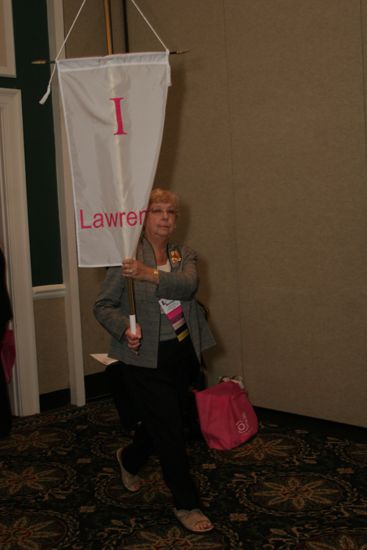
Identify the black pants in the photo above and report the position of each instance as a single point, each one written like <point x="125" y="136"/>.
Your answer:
<point x="124" y="402"/>
<point x="161" y="396"/>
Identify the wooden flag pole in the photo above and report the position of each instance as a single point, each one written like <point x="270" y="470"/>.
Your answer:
<point x="130" y="282"/>
<point x="107" y="18"/>
<point x="132" y="312"/>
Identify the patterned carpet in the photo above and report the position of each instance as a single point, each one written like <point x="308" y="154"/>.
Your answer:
<point x="292" y="487"/>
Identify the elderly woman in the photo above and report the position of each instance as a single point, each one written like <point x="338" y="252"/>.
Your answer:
<point x="161" y="358"/>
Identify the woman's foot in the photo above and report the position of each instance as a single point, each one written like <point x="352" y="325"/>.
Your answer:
<point x="194" y="520"/>
<point x="131" y="482"/>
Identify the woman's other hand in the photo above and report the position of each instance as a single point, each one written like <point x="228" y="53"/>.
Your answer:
<point x="133" y="268"/>
<point x="139" y="271"/>
<point x="133" y="340"/>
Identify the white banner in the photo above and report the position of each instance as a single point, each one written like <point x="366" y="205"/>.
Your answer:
<point x="114" y="110"/>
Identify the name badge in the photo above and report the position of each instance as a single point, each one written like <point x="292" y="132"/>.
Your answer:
<point x="167" y="306"/>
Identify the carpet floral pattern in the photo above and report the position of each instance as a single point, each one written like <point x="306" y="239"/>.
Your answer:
<point x="288" y="488"/>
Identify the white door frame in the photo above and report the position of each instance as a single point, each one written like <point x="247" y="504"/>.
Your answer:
<point x="24" y="392"/>
<point x="14" y="235"/>
<point x="67" y="220"/>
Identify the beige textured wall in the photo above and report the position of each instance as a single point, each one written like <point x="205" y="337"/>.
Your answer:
<point x="299" y="165"/>
<point x="51" y="345"/>
<point x="265" y="142"/>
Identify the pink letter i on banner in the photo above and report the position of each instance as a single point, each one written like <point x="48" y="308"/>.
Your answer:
<point x="120" y="123"/>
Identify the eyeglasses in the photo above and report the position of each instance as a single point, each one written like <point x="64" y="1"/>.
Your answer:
<point x="160" y="211"/>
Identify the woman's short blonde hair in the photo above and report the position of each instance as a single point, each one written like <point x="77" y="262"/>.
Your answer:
<point x="163" y="195"/>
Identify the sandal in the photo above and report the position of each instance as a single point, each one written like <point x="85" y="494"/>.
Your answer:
<point x="194" y="520"/>
<point x="131" y="482"/>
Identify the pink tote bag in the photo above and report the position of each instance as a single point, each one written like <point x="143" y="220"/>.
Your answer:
<point x="227" y="418"/>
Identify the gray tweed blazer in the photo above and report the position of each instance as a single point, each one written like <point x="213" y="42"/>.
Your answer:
<point x="112" y="307"/>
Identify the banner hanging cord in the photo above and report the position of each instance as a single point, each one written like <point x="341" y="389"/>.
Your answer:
<point x="48" y="91"/>
<point x="149" y="25"/>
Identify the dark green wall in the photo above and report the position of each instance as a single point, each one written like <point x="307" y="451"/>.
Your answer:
<point x="31" y="42"/>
